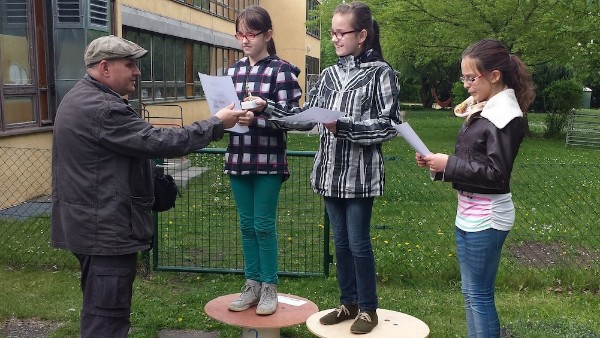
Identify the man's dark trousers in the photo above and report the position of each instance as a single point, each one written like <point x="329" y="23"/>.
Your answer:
<point x="107" y="286"/>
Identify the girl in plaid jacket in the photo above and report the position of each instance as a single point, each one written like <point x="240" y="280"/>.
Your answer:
<point x="348" y="168"/>
<point x="256" y="161"/>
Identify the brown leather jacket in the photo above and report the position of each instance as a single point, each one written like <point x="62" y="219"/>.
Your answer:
<point x="484" y="156"/>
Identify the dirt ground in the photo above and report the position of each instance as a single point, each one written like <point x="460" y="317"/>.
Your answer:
<point x="36" y="328"/>
<point x="28" y="328"/>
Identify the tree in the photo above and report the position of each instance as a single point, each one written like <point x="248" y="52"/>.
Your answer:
<point x="424" y="39"/>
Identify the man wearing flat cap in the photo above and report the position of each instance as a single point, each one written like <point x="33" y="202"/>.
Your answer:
<point x="102" y="179"/>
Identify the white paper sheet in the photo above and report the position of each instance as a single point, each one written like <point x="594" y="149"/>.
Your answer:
<point x="290" y="301"/>
<point x="220" y="93"/>
<point x="406" y="131"/>
<point x="314" y="115"/>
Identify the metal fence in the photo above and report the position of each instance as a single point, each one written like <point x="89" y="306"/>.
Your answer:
<point x="583" y="129"/>
<point x="557" y="227"/>
<point x="202" y="234"/>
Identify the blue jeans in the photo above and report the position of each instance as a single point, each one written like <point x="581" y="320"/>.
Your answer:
<point x="478" y="258"/>
<point x="350" y="220"/>
<point x="256" y="198"/>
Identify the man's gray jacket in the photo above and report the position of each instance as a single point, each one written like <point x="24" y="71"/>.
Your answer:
<point x="102" y="170"/>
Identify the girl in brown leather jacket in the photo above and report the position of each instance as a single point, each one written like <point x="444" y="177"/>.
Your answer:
<point x="487" y="145"/>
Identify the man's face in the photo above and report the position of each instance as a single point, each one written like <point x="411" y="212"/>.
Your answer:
<point x="122" y="75"/>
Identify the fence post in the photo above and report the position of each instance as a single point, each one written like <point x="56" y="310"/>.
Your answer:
<point x="327" y="257"/>
<point x="158" y="169"/>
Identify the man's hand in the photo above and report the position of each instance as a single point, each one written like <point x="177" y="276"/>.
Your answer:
<point x="228" y="116"/>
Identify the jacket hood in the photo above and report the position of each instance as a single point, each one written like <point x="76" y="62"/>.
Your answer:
<point x="368" y="58"/>
<point x="270" y="58"/>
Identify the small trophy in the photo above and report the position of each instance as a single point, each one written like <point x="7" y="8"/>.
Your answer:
<point x="248" y="104"/>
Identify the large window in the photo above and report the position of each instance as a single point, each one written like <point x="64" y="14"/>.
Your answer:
<point x="170" y="70"/>
<point x="313" y="23"/>
<point x="312" y="72"/>
<point x="227" y="9"/>
<point x="24" y="101"/>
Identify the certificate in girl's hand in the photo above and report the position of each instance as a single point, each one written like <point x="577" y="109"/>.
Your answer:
<point x="220" y="93"/>
<point x="405" y="130"/>
<point x="314" y="115"/>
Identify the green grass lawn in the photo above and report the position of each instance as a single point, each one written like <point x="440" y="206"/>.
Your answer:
<point x="555" y="190"/>
<point x="176" y="300"/>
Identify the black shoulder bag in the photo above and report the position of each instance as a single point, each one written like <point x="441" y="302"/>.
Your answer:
<point x="165" y="192"/>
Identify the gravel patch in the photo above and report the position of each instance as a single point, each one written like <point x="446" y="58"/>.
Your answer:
<point x="28" y="328"/>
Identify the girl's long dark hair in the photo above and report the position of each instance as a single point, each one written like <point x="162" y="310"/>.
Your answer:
<point x="257" y="18"/>
<point x="362" y="19"/>
<point x="490" y="55"/>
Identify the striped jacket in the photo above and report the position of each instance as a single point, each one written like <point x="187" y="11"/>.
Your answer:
<point x="349" y="164"/>
<point x="262" y="149"/>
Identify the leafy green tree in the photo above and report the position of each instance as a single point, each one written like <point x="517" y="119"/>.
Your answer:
<point x="424" y="39"/>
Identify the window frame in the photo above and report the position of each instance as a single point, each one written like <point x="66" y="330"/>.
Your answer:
<point x="196" y="56"/>
<point x="37" y="91"/>
<point x="224" y="9"/>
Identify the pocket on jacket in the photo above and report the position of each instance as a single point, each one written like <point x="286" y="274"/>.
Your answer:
<point x="112" y="290"/>
<point x="141" y="218"/>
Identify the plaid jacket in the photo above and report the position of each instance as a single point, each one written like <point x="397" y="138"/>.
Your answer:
<point x="262" y="150"/>
<point x="349" y="164"/>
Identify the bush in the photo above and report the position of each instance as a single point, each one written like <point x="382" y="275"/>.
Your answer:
<point x="409" y="91"/>
<point x="561" y="96"/>
<point x="413" y="106"/>
<point x="459" y="93"/>
<point x="543" y="76"/>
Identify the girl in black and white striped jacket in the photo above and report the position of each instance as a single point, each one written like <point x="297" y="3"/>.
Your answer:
<point x="348" y="169"/>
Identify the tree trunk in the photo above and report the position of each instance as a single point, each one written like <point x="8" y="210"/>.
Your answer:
<point x="426" y="97"/>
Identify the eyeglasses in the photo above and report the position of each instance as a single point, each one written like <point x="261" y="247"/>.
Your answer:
<point x="248" y="36"/>
<point x="340" y="35"/>
<point x="469" y="80"/>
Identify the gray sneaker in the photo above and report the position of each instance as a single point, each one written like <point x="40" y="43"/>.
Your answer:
<point x="249" y="297"/>
<point x="268" y="299"/>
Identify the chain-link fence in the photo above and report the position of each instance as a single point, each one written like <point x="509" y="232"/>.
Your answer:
<point x="25" y="207"/>
<point x="557" y="227"/>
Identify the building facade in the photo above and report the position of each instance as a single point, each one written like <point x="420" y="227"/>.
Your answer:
<point x="42" y="44"/>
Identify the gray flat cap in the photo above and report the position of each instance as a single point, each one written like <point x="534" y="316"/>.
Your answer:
<point x="111" y="47"/>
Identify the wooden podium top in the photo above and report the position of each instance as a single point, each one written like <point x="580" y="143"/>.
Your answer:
<point x="390" y="324"/>
<point x="291" y="310"/>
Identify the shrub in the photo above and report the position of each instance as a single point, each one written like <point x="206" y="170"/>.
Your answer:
<point x="409" y="106"/>
<point x="459" y="93"/>
<point x="561" y="96"/>
<point x="543" y="76"/>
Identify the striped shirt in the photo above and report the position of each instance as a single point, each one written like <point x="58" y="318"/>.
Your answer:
<point x="262" y="149"/>
<point x="478" y="212"/>
<point x="349" y="164"/>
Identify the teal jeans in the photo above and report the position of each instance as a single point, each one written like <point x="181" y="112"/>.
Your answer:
<point x="256" y="197"/>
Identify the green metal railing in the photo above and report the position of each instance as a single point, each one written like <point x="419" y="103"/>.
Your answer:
<point x="201" y="234"/>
